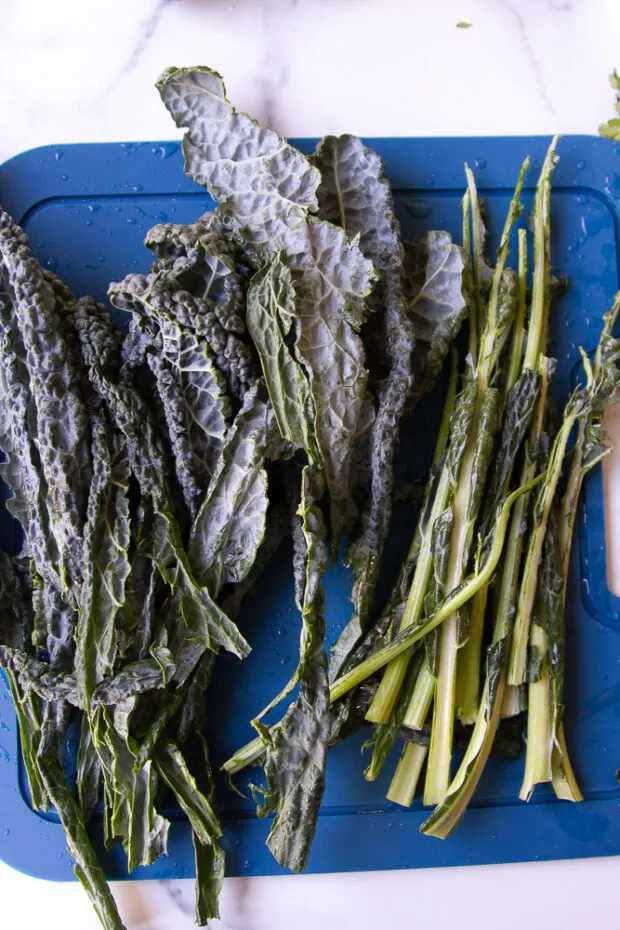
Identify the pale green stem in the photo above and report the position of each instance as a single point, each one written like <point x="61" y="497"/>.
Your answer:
<point x="542" y="272"/>
<point x="252" y="751"/>
<point x="405" y="782"/>
<point x="516" y="669"/>
<point x="539" y="736"/>
<point x="468" y="673"/>
<point x="387" y="693"/>
<point x="515" y="700"/>
<point x="421" y="698"/>
<point x="448" y="815"/>
<point x="382" y="706"/>
<point x="516" y="354"/>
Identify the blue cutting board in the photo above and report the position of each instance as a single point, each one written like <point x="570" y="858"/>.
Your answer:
<point x="86" y="209"/>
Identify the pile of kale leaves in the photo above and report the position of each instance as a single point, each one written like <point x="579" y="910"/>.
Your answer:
<point x="271" y="354"/>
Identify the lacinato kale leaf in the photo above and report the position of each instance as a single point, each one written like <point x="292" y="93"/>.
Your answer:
<point x="267" y="192"/>
<point x="62" y="438"/>
<point x="296" y="749"/>
<point x="270" y="318"/>
<point x="355" y="195"/>
<point x="437" y="294"/>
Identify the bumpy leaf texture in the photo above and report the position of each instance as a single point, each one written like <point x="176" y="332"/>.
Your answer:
<point x="270" y="316"/>
<point x="192" y="392"/>
<point x="61" y="418"/>
<point x="267" y="191"/>
<point x="296" y="748"/>
<point x="355" y="195"/>
<point x="436" y="289"/>
<point x="106" y="560"/>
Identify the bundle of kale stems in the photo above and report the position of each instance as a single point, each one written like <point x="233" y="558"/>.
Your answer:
<point x="271" y="356"/>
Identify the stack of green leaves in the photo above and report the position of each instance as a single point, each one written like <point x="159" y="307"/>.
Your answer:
<point x="474" y="630"/>
<point x="271" y="356"/>
<point x="154" y="470"/>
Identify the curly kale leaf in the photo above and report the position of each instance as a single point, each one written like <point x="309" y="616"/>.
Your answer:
<point x="21" y="469"/>
<point x="296" y="748"/>
<point x="266" y="191"/>
<point x="198" y="283"/>
<point x="61" y="418"/>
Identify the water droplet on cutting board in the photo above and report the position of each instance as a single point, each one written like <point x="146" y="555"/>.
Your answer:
<point x="58" y="155"/>
<point x="480" y="163"/>
<point x="419" y="209"/>
<point x="165" y="151"/>
<point x="5" y="755"/>
<point x="581" y="164"/>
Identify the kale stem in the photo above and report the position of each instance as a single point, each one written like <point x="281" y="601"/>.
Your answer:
<point x="471" y="476"/>
<point x="468" y="675"/>
<point x="450" y="605"/>
<point x="516" y="670"/>
<point x="539" y="736"/>
<point x="251" y="752"/>
<point x="516" y="353"/>
<point x="448" y="815"/>
<point x="536" y="335"/>
<point x="515" y="700"/>
<point x="405" y="781"/>
<point x="420" y="699"/>
<point x="387" y="693"/>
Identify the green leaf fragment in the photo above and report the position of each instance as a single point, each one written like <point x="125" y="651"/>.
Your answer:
<point x="296" y="748"/>
<point x="270" y="318"/>
<point x="266" y="192"/>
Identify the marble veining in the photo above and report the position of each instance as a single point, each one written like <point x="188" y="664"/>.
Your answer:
<point x="79" y="72"/>
<point x="527" y="45"/>
<point x="145" y="29"/>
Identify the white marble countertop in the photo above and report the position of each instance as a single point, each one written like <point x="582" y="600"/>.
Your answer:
<point x="80" y="72"/>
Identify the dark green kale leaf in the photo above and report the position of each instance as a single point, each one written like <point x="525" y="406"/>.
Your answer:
<point x="198" y="282"/>
<point x="437" y="293"/>
<point x="266" y="193"/>
<point x="192" y="393"/>
<point x="296" y="748"/>
<point x="87" y="868"/>
<point x="205" y="621"/>
<point x="230" y="525"/>
<point x="16" y="625"/>
<point x="270" y="317"/>
<point x="355" y="195"/>
<point x="106" y="560"/>
<point x="62" y="429"/>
